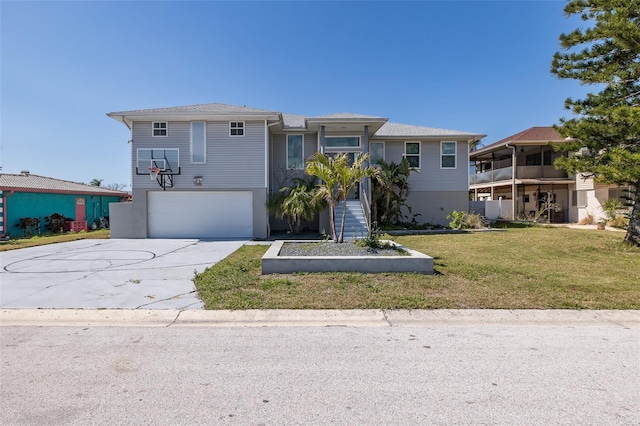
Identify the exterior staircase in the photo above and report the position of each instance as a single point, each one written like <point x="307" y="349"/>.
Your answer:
<point x="355" y="226"/>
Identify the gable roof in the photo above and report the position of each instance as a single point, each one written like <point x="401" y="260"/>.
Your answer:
<point x="35" y="183"/>
<point x="194" y="112"/>
<point x="212" y="108"/>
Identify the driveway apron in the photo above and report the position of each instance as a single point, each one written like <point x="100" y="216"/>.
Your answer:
<point x="126" y="274"/>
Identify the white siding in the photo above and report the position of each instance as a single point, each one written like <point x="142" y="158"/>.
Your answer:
<point x="583" y="184"/>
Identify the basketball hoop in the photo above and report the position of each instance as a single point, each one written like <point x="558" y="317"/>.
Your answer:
<point x="154" y="172"/>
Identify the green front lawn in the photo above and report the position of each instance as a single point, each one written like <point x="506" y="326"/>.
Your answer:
<point x="18" y="243"/>
<point x="541" y="268"/>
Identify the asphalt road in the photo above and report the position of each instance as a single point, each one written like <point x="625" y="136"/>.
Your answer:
<point x="440" y="374"/>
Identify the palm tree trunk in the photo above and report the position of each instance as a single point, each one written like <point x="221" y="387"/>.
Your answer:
<point x="374" y="210"/>
<point x="387" y="207"/>
<point x="332" y="222"/>
<point x="344" y="218"/>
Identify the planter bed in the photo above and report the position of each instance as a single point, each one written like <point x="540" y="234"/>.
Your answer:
<point x="367" y="262"/>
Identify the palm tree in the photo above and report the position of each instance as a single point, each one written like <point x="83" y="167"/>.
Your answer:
<point x="323" y="167"/>
<point x="390" y="188"/>
<point x="348" y="177"/>
<point x="297" y="203"/>
<point x="338" y="179"/>
<point x="301" y="203"/>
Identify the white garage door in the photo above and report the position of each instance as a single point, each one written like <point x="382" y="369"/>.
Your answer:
<point x="203" y="214"/>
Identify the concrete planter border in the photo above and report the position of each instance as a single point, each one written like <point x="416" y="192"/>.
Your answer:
<point x="415" y="261"/>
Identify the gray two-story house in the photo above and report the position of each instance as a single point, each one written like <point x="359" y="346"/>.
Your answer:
<point x="206" y="171"/>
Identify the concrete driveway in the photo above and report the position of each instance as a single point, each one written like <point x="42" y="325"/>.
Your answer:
<point x="127" y="274"/>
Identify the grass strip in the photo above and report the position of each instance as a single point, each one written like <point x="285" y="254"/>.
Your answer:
<point x="19" y="243"/>
<point x="529" y="268"/>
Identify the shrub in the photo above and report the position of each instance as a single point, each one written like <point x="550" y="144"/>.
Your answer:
<point x="54" y="223"/>
<point x="457" y="219"/>
<point x="30" y="225"/>
<point x="589" y="219"/>
<point x="611" y="207"/>
<point x="473" y="221"/>
<point x="620" y="221"/>
<point x="372" y="241"/>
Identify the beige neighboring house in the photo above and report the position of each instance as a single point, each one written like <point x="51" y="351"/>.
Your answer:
<point x="589" y="196"/>
<point x="495" y="184"/>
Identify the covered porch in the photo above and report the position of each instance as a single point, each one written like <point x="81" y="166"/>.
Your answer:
<point x="549" y="201"/>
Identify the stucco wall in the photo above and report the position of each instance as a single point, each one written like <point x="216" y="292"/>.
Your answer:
<point x="434" y="206"/>
<point x="40" y="205"/>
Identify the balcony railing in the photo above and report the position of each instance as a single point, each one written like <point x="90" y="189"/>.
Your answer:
<point x="523" y="172"/>
<point x="539" y="172"/>
<point x="491" y="176"/>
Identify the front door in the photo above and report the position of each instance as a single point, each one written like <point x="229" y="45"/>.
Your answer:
<point x="80" y="210"/>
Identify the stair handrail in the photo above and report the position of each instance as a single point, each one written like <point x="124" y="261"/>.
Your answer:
<point x="365" y="194"/>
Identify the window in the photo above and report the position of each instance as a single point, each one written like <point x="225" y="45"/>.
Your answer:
<point x="412" y="154"/>
<point x="376" y="152"/>
<point x="533" y="159"/>
<point x="295" y="155"/>
<point x="620" y="193"/>
<point x="341" y="141"/>
<point x="448" y="155"/>
<point x="159" y="128"/>
<point x="236" y="128"/>
<point x="539" y="159"/>
<point x="198" y="142"/>
<point x="579" y="198"/>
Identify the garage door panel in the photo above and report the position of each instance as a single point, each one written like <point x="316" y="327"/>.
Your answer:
<point x="203" y="214"/>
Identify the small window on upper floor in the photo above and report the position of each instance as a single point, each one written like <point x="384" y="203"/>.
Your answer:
<point x="160" y="128"/>
<point x="412" y="154"/>
<point x="376" y="152"/>
<point x="236" y="128"/>
<point x="448" y="151"/>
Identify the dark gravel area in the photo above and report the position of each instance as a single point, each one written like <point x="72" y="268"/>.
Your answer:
<point x="332" y="249"/>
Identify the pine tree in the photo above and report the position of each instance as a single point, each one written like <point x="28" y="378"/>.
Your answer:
<point x="606" y="124"/>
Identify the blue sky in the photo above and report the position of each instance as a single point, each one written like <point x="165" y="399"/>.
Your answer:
<point x="477" y="66"/>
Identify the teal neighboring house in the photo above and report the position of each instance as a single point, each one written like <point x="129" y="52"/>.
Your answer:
<point x="31" y="196"/>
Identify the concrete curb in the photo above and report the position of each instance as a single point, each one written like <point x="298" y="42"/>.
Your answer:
<point x="87" y="317"/>
<point x="625" y="318"/>
<point x="315" y="318"/>
<point x="284" y="318"/>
